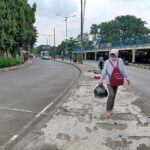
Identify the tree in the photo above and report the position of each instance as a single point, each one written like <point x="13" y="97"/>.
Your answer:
<point x="94" y="29"/>
<point x="16" y="29"/>
<point x="86" y="40"/>
<point x="71" y="44"/>
<point x="122" y="27"/>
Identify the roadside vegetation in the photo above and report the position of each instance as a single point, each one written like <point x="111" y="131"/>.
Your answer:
<point x="17" y="31"/>
<point x="8" y="62"/>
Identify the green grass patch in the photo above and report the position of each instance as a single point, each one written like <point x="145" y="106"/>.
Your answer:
<point x="8" y="62"/>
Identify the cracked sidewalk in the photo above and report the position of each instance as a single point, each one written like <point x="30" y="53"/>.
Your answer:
<point x="81" y="123"/>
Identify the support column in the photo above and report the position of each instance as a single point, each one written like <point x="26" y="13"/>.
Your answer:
<point x="84" y="56"/>
<point x="133" y="55"/>
<point x="95" y="55"/>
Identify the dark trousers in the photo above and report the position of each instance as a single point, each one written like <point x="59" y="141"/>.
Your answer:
<point x="111" y="98"/>
<point x="101" y="65"/>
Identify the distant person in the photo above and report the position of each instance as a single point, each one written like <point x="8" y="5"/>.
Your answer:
<point x="25" y="56"/>
<point x="70" y="57"/>
<point x="74" y="58"/>
<point x="101" y="62"/>
<point x="114" y="72"/>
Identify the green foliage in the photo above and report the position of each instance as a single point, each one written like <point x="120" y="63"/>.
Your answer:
<point x="94" y="29"/>
<point x="16" y="28"/>
<point x="70" y="44"/>
<point x="7" y="62"/>
<point x="80" y="58"/>
<point x="86" y="40"/>
<point x="122" y="27"/>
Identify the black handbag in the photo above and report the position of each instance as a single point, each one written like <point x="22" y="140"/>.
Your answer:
<point x="100" y="91"/>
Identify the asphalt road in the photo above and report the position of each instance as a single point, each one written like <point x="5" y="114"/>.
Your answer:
<point x="25" y="92"/>
<point x="140" y="80"/>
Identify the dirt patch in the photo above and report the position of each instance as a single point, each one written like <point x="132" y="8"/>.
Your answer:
<point x="143" y="147"/>
<point x="122" y="143"/>
<point x="121" y="116"/>
<point x="108" y="126"/>
<point x="42" y="146"/>
<point x="138" y="137"/>
<point x="63" y="136"/>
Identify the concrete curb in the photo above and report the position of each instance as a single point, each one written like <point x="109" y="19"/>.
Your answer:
<point x="13" y="68"/>
<point x="7" y="145"/>
<point x="139" y="66"/>
<point x="70" y="63"/>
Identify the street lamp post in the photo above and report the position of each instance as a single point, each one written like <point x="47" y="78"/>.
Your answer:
<point x="66" y="20"/>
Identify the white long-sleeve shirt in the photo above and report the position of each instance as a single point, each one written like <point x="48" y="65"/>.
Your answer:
<point x="108" y="69"/>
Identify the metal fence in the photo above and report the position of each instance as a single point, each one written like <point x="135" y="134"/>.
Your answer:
<point x="122" y="43"/>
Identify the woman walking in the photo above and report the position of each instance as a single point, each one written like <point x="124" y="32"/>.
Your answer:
<point x="114" y="72"/>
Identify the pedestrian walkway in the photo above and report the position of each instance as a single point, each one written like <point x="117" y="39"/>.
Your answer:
<point x="81" y="123"/>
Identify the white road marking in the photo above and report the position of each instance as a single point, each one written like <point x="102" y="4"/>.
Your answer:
<point x="23" y="110"/>
<point x="14" y="137"/>
<point x="15" y="109"/>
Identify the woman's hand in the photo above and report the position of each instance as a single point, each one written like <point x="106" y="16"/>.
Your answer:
<point x="100" y="83"/>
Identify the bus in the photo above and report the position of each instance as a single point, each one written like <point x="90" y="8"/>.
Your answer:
<point x="44" y="55"/>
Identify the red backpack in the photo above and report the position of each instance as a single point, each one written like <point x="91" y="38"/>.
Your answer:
<point x="116" y="78"/>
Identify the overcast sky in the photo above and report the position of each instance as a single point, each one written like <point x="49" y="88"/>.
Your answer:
<point x="97" y="11"/>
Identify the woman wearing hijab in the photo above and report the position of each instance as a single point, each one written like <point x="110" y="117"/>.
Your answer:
<point x="106" y="74"/>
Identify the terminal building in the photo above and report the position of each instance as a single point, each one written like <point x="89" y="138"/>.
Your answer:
<point x="131" y="50"/>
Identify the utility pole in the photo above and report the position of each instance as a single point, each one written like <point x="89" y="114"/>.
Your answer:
<point x="47" y="41"/>
<point x="66" y="20"/>
<point x="66" y="35"/>
<point x="54" y="43"/>
<point x="81" y="59"/>
<point x="54" y="37"/>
